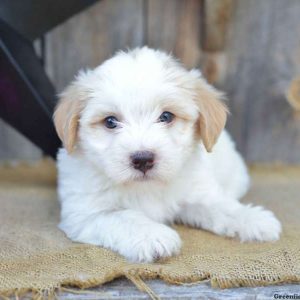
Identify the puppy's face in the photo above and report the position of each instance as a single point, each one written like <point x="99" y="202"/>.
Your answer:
<point x="139" y="116"/>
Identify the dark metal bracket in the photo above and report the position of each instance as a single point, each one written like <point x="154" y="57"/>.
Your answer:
<point x="27" y="97"/>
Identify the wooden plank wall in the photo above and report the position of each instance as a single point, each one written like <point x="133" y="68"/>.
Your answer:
<point x="263" y="56"/>
<point x="250" y="49"/>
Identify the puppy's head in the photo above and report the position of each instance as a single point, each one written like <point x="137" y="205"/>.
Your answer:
<point x="139" y="116"/>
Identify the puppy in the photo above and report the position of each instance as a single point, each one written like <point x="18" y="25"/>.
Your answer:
<point x="144" y="147"/>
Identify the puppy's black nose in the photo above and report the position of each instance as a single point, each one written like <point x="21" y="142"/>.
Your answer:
<point x="142" y="160"/>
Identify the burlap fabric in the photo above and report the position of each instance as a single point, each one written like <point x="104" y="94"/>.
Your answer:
<point x="36" y="256"/>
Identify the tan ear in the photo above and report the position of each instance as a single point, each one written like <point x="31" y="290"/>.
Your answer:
<point x="66" y="117"/>
<point x="212" y="114"/>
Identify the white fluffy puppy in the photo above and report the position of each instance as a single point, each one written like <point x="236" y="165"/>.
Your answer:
<point x="145" y="147"/>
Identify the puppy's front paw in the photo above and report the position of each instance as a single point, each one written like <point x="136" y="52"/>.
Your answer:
<point x="153" y="243"/>
<point x="258" y="224"/>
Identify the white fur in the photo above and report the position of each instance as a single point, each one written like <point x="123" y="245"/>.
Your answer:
<point x="105" y="202"/>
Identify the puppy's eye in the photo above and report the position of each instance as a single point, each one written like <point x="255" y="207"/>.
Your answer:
<point x="166" y="117"/>
<point x="111" y="122"/>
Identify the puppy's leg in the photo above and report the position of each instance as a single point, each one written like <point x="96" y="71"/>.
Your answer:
<point x="213" y="210"/>
<point x="127" y="232"/>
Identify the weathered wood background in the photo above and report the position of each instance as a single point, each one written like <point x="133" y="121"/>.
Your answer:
<point x="248" y="48"/>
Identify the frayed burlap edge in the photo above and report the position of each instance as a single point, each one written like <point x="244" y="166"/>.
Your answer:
<point x="138" y="278"/>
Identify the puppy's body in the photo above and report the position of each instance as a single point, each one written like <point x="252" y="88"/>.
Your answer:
<point x="106" y="201"/>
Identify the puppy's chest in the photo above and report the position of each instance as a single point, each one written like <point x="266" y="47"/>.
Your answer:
<point x="161" y="205"/>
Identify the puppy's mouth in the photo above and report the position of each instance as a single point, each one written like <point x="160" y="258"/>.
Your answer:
<point x="143" y="177"/>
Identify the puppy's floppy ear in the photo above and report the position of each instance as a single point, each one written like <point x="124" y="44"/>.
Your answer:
<point x="66" y="116"/>
<point x="212" y="113"/>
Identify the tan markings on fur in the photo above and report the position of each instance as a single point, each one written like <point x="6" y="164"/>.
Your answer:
<point x="66" y="117"/>
<point x="213" y="115"/>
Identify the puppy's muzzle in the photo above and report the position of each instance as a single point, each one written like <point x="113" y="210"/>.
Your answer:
<point x="142" y="160"/>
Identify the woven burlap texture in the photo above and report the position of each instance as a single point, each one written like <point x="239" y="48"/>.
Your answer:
<point x="36" y="256"/>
